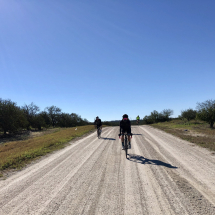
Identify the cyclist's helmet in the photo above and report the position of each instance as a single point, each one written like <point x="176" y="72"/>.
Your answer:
<point x="125" y="116"/>
<point x="97" y="117"/>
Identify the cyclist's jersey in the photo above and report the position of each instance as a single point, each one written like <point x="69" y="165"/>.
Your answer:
<point x="125" y="126"/>
<point x="98" y="123"/>
<point x="138" y="118"/>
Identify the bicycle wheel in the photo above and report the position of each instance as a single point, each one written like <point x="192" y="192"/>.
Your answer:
<point x="98" y="132"/>
<point x="126" y="147"/>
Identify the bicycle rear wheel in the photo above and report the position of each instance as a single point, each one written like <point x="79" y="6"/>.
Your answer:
<point x="99" y="133"/>
<point x="126" y="147"/>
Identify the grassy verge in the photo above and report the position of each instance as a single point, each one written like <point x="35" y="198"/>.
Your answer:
<point x="197" y="132"/>
<point x="17" y="153"/>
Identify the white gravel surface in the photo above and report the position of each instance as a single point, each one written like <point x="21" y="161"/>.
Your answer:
<point x="163" y="175"/>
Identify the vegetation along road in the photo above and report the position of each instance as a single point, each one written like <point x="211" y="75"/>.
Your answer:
<point x="164" y="175"/>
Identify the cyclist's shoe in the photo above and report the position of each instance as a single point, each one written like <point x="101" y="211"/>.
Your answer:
<point x="123" y="147"/>
<point x="129" y="145"/>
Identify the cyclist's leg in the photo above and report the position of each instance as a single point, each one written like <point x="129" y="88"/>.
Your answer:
<point x="129" y="138"/>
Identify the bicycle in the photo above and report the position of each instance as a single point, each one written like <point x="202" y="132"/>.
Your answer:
<point x="99" y="131"/>
<point x="126" y="143"/>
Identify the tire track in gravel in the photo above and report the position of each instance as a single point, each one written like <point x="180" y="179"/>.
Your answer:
<point x="195" y="164"/>
<point x="164" y="175"/>
<point x="76" y="188"/>
<point x="45" y="180"/>
<point x="108" y="194"/>
<point x="193" y="198"/>
<point x="157" y="199"/>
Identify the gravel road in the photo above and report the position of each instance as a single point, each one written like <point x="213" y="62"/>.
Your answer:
<point x="163" y="175"/>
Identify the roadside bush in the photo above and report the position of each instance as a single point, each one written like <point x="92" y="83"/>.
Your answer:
<point x="156" y="117"/>
<point x="206" y="111"/>
<point x="148" y="120"/>
<point x="189" y="114"/>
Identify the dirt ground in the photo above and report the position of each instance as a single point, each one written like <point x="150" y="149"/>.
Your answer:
<point x="162" y="175"/>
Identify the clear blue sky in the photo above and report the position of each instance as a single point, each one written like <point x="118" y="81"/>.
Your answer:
<point x="108" y="57"/>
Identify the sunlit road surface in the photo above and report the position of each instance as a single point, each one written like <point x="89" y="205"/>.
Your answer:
<point x="162" y="175"/>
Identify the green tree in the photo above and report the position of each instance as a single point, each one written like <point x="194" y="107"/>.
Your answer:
<point x="53" y="113"/>
<point x="188" y="114"/>
<point x="65" y="120"/>
<point x="86" y="122"/>
<point x="31" y="113"/>
<point x="206" y="111"/>
<point x="154" y="116"/>
<point x="39" y="122"/>
<point x="46" y="119"/>
<point x="167" y="113"/>
<point x="76" y="119"/>
<point x="147" y="120"/>
<point x="71" y="120"/>
<point x="161" y="117"/>
<point x="12" y="117"/>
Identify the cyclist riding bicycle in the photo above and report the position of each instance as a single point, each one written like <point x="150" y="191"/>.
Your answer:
<point x="125" y="125"/>
<point x="98" y="124"/>
<point x="138" y="119"/>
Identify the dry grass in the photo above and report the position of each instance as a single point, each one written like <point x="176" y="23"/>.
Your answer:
<point x="197" y="132"/>
<point x="16" y="154"/>
<point x="24" y="135"/>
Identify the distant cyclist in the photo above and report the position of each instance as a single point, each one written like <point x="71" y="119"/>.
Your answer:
<point x="125" y="125"/>
<point x="98" y="124"/>
<point x="138" y="119"/>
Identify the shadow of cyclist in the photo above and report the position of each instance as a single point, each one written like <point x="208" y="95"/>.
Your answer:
<point x="105" y="138"/>
<point x="140" y="159"/>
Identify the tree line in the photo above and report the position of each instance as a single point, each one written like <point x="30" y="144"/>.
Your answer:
<point x="204" y="111"/>
<point x="13" y="118"/>
<point x="156" y="117"/>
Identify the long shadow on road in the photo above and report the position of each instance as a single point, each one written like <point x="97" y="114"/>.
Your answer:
<point x="140" y="159"/>
<point x="105" y="138"/>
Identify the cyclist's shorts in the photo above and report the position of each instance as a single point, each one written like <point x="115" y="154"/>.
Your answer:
<point x="128" y="131"/>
